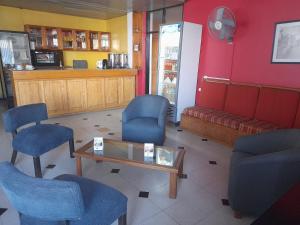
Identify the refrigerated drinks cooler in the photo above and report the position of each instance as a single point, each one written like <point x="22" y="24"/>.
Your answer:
<point x="178" y="61"/>
<point x="14" y="50"/>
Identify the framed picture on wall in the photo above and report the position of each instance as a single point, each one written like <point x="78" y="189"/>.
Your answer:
<point x="286" y="45"/>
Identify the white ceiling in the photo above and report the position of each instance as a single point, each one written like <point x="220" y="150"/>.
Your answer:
<point x="101" y="9"/>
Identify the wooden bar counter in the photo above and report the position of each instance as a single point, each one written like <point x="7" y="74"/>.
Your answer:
<point x="72" y="91"/>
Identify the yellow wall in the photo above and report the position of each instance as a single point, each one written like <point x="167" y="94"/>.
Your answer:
<point x="11" y="19"/>
<point x="15" y="19"/>
<point x="118" y="28"/>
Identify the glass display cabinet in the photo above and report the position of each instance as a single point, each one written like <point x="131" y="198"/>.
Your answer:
<point x="81" y="40"/>
<point x="94" y="40"/>
<point x="35" y="36"/>
<point x="105" y="41"/>
<point x="67" y="37"/>
<point x="52" y="38"/>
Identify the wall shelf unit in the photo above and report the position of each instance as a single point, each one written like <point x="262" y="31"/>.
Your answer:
<point x="81" y="40"/>
<point x="36" y="34"/>
<point x="94" y="40"/>
<point x="53" y="40"/>
<point x="67" y="39"/>
<point x="105" y="39"/>
<point x="42" y="37"/>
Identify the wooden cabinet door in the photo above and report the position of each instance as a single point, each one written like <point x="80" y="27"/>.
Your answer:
<point x="55" y="96"/>
<point x="29" y="92"/>
<point x="111" y="87"/>
<point x="128" y="89"/>
<point x="76" y="95"/>
<point x="95" y="93"/>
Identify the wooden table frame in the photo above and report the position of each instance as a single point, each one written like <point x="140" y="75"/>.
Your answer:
<point x="175" y="171"/>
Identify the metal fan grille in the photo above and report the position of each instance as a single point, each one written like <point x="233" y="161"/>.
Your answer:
<point x="222" y="23"/>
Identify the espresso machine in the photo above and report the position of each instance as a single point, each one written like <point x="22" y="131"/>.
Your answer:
<point x="117" y="61"/>
<point x="124" y="60"/>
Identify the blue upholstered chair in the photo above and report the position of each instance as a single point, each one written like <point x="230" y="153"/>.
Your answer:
<point x="263" y="168"/>
<point x="144" y="120"/>
<point x="68" y="199"/>
<point x="37" y="139"/>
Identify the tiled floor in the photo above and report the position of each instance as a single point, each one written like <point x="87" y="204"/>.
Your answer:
<point x="199" y="195"/>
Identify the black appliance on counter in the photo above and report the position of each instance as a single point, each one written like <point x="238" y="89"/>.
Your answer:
<point x="47" y="58"/>
<point x="104" y="64"/>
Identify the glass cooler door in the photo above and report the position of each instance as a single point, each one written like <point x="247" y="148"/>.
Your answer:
<point x="168" y="61"/>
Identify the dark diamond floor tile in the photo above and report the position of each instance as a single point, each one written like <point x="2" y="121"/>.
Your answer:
<point x="111" y="133"/>
<point x="78" y="141"/>
<point x="180" y="147"/>
<point x="2" y="210"/>
<point x="115" y="171"/>
<point x="225" y="202"/>
<point x="144" y="194"/>
<point x="96" y="125"/>
<point x="179" y="130"/>
<point x="183" y="176"/>
<point x="204" y="139"/>
<point x="85" y="118"/>
<point x="108" y="115"/>
<point x="50" y="166"/>
<point x="213" y="162"/>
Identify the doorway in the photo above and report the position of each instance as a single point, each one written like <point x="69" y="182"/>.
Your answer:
<point x="156" y="18"/>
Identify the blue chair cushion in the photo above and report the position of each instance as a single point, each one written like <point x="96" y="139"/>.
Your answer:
<point x="143" y="130"/>
<point x="38" y="139"/>
<point x="27" y="220"/>
<point x="103" y="204"/>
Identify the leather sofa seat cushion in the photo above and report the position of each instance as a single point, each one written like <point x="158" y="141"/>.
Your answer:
<point x="256" y="126"/>
<point x="215" y="116"/>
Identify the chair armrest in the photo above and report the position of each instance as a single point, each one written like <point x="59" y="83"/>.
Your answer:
<point x="259" y="180"/>
<point x="163" y="114"/>
<point x="269" y="142"/>
<point x="281" y="157"/>
<point x="266" y="170"/>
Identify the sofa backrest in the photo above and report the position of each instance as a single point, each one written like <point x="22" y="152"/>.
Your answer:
<point x="241" y="100"/>
<point x="212" y="95"/>
<point x="277" y="106"/>
<point x="297" y="119"/>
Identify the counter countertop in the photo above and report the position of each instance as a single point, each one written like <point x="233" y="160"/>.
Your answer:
<point x="70" y="73"/>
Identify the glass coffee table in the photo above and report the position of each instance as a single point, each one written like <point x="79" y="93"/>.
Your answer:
<point x="166" y="159"/>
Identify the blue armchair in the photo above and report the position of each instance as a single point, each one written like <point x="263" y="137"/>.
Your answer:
<point x="37" y="139"/>
<point x="68" y="199"/>
<point x="263" y="167"/>
<point x="144" y="120"/>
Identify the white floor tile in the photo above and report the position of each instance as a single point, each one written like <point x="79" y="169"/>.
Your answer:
<point x="184" y="214"/>
<point x="160" y="218"/>
<point x="140" y="209"/>
<point x="160" y="197"/>
<point x="10" y="217"/>
<point x="222" y="217"/>
<point x="199" y="196"/>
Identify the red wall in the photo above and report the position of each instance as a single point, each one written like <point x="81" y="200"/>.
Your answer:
<point x="248" y="59"/>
